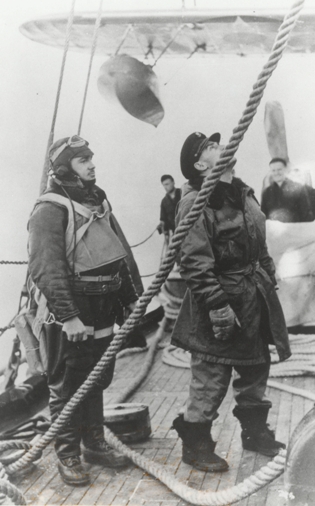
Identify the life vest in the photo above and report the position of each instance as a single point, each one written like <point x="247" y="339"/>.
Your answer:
<point x="90" y="243"/>
<point x="90" y="240"/>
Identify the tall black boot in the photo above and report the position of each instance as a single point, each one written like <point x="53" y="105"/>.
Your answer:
<point x="256" y="435"/>
<point x="96" y="450"/>
<point x="198" y="446"/>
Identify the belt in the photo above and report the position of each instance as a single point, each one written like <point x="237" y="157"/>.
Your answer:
<point x="96" y="285"/>
<point x="96" y="279"/>
<point x="248" y="269"/>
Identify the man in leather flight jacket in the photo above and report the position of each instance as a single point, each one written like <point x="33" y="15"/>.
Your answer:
<point x="78" y="267"/>
<point x="230" y="312"/>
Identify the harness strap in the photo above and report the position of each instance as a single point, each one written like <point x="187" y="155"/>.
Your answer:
<point x="95" y="279"/>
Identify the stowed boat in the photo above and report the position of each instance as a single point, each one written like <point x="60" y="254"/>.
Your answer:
<point x="162" y="393"/>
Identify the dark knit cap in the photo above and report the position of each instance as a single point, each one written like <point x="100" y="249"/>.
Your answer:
<point x="191" y="151"/>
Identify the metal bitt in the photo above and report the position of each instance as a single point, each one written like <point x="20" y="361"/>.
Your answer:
<point x="135" y="85"/>
<point x="300" y="467"/>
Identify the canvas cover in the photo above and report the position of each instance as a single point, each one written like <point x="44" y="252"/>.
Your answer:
<point x="292" y="247"/>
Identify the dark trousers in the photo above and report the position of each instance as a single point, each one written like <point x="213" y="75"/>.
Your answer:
<point x="210" y="382"/>
<point x="68" y="365"/>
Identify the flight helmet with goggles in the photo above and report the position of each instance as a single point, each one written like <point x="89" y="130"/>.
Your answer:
<point x="64" y="150"/>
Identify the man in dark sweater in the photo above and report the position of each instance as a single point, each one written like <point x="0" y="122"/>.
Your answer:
<point x="168" y="206"/>
<point x="285" y="200"/>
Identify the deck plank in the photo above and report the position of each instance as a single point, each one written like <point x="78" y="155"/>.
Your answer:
<point x="165" y="391"/>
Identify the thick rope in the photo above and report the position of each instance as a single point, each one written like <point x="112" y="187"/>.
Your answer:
<point x="262" y="477"/>
<point x="94" y="43"/>
<point x="12" y="492"/>
<point x="6" y="488"/>
<point x="179" y="235"/>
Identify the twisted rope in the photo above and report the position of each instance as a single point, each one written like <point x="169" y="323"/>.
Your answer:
<point x="3" y="476"/>
<point x="7" y="262"/>
<point x="11" y="491"/>
<point x="275" y="467"/>
<point x="262" y="477"/>
<point x="6" y="488"/>
<point x="94" y="42"/>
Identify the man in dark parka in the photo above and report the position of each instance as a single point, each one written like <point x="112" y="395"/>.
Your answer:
<point x="79" y="271"/>
<point x="230" y="312"/>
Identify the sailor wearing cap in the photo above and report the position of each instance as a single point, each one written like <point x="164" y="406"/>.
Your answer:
<point x="78" y="267"/>
<point x="230" y="312"/>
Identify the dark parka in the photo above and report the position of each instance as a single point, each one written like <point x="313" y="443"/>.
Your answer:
<point x="224" y="259"/>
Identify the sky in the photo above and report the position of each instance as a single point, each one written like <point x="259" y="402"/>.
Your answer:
<point x="205" y="94"/>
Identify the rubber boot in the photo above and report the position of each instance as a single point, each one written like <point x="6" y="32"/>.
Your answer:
<point x="198" y="446"/>
<point x="96" y="450"/>
<point x="256" y="435"/>
<point x="72" y="472"/>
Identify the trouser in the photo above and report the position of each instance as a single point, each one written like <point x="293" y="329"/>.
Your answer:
<point x="69" y="364"/>
<point x="210" y="382"/>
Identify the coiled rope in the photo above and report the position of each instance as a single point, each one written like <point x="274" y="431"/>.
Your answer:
<point x="7" y="489"/>
<point x="179" y="235"/>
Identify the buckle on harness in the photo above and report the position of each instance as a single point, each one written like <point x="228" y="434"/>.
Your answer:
<point x="51" y="319"/>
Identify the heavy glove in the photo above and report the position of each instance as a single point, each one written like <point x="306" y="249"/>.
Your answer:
<point x="223" y="322"/>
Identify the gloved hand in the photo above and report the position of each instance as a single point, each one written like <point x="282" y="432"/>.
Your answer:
<point x="223" y="322"/>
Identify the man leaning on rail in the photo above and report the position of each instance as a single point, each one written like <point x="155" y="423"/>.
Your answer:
<point x="78" y="267"/>
<point x="230" y="312"/>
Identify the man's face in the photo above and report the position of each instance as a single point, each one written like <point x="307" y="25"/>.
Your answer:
<point x="84" y="167"/>
<point x="211" y="154"/>
<point x="169" y="185"/>
<point x="278" y="172"/>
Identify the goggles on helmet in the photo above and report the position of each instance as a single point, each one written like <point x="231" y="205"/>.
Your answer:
<point x="73" y="142"/>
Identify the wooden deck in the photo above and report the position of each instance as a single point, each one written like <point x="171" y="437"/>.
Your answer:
<point x="165" y="391"/>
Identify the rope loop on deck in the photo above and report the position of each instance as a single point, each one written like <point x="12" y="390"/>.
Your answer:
<point x="176" y="240"/>
<point x="262" y="477"/>
<point x="11" y="491"/>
